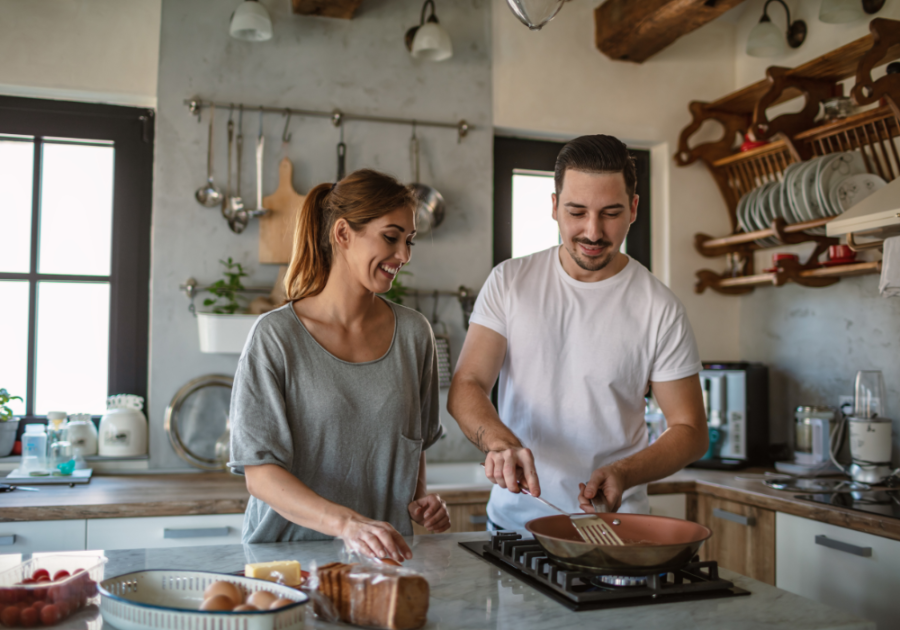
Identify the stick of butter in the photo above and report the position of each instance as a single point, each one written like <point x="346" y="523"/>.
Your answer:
<point x="284" y="571"/>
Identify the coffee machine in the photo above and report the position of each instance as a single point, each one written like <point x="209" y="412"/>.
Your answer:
<point x="736" y="395"/>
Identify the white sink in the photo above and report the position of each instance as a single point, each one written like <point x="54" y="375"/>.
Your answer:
<point x="457" y="475"/>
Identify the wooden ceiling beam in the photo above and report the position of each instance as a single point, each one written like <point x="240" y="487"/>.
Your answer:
<point x="343" y="9"/>
<point x="626" y="30"/>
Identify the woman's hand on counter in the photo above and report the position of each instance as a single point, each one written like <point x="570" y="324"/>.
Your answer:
<point x="431" y="513"/>
<point x="375" y="539"/>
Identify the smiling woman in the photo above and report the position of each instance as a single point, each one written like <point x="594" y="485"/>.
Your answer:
<point x="336" y="394"/>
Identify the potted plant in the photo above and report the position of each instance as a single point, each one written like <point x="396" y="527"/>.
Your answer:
<point x="225" y="328"/>
<point x="8" y="424"/>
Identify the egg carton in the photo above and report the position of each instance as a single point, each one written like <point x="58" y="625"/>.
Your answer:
<point x="162" y="598"/>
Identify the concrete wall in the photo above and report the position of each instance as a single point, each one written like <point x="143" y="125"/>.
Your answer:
<point x="315" y="63"/>
<point x="90" y="50"/>
<point x="815" y="340"/>
<point x="554" y="82"/>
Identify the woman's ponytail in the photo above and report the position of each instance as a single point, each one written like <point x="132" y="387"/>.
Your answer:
<point x="310" y="261"/>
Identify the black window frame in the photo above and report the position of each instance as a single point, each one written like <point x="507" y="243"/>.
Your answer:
<point x="511" y="154"/>
<point x="131" y="130"/>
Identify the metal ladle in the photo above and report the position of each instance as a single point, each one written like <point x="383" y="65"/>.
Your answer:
<point x="210" y="195"/>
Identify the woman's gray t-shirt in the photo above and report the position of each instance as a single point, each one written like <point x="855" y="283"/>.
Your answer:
<point x="352" y="432"/>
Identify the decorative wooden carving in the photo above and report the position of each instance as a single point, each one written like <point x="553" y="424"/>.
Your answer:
<point x="707" y="279"/>
<point x="343" y="9"/>
<point x="709" y="152"/>
<point x="886" y="47"/>
<point x="813" y="90"/>
<point x="627" y="30"/>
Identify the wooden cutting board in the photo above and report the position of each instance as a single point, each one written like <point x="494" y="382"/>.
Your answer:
<point x="276" y="228"/>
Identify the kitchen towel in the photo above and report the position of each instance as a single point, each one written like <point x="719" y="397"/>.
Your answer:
<point x="890" y="268"/>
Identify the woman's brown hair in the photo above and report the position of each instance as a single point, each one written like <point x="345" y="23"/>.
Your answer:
<point x="359" y="198"/>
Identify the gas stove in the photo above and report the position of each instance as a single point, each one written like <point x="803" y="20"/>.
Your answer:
<point x="578" y="590"/>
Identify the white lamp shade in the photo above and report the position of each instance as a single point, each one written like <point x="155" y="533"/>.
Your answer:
<point x="251" y="22"/>
<point x="766" y="40"/>
<point x="432" y="42"/>
<point x="841" y="11"/>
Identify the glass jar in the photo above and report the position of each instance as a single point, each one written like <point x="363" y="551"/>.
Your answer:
<point x="807" y="439"/>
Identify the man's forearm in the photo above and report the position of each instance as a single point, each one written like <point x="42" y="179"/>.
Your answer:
<point x="471" y="407"/>
<point x="677" y="447"/>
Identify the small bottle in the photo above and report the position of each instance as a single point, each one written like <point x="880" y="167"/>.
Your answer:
<point x="59" y="450"/>
<point x="34" y="449"/>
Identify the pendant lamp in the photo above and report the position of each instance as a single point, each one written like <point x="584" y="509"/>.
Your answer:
<point x="535" y="13"/>
<point x="766" y="40"/>
<point x="250" y="22"/>
<point x="843" y="11"/>
<point x="429" y="40"/>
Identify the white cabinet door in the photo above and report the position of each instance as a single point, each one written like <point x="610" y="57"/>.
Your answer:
<point x="856" y="572"/>
<point x="31" y="536"/>
<point x="674" y="505"/>
<point x="164" y="531"/>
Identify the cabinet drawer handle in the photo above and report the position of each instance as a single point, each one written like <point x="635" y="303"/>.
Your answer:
<point x="478" y="519"/>
<point x="6" y="541"/>
<point x="831" y="543"/>
<point x="200" y="532"/>
<point x="740" y="519"/>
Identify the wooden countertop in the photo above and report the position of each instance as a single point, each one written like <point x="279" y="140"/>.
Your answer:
<point x="126" y="496"/>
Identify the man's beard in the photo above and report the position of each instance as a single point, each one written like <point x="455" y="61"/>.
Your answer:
<point x="592" y="264"/>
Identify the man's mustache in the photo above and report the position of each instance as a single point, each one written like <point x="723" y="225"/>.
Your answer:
<point x="600" y="243"/>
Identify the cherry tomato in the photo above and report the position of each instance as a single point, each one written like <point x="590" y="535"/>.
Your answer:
<point x="60" y="575"/>
<point x="28" y="617"/>
<point x="7" y="596"/>
<point x="77" y="571"/>
<point x="38" y="605"/>
<point x="10" y="616"/>
<point x="49" y="615"/>
<point x="64" y="608"/>
<point x="39" y="573"/>
<point x="29" y="581"/>
<point x="90" y="588"/>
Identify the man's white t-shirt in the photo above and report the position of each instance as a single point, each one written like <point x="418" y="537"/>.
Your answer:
<point x="579" y="359"/>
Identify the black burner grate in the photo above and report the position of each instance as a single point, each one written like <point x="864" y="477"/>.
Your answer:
<point x="580" y="590"/>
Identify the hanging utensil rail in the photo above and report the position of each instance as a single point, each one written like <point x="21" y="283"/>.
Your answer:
<point x="191" y="288"/>
<point x="337" y="117"/>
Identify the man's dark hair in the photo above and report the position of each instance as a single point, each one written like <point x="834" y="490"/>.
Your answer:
<point x="596" y="154"/>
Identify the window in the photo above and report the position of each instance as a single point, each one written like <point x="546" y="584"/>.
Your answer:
<point x="75" y="187"/>
<point x="523" y="183"/>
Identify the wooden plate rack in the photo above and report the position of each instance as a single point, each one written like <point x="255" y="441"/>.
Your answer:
<point x="795" y="137"/>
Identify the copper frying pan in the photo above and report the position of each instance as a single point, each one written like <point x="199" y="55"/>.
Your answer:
<point x="662" y="543"/>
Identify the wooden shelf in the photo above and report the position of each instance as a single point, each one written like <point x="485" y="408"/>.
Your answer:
<point x="837" y="65"/>
<point x="816" y="276"/>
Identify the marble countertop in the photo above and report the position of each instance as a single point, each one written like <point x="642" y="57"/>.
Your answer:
<point x="468" y="592"/>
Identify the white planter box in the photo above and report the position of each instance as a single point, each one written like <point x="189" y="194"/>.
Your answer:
<point x="224" y="334"/>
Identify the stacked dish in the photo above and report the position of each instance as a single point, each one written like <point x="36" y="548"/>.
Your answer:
<point x="822" y="187"/>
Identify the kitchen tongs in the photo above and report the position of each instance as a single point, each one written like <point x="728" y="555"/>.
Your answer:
<point x="591" y="528"/>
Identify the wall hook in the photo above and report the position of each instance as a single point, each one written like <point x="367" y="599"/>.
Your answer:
<point x="337" y="118"/>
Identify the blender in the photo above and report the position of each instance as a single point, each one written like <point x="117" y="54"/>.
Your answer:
<point x="870" y="431"/>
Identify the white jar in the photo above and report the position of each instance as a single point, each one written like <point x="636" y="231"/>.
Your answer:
<point x="123" y="428"/>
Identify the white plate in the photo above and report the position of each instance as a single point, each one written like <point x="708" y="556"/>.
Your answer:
<point x="758" y="211"/>
<point x="787" y="208"/>
<point x="793" y="180"/>
<point x="810" y="196"/>
<point x="839" y="167"/>
<point x="741" y="211"/>
<point x="851" y="190"/>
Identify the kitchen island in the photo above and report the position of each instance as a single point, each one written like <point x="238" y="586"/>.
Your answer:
<point x="468" y="592"/>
